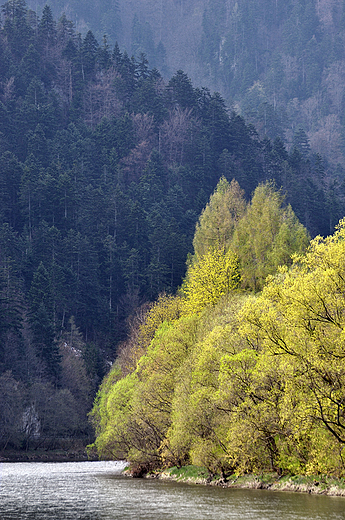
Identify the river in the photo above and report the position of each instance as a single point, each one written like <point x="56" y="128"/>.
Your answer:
<point x="97" y="491"/>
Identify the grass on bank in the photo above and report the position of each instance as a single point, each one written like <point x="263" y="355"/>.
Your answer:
<point x="316" y="484"/>
<point x="186" y="473"/>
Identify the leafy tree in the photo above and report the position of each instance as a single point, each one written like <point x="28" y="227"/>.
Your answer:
<point x="133" y="415"/>
<point x="200" y="415"/>
<point x="208" y="279"/>
<point x="309" y="334"/>
<point x="218" y="220"/>
<point x="111" y="415"/>
<point x="143" y="328"/>
<point x="267" y="236"/>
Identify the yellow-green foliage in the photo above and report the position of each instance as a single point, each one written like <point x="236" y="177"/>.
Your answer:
<point x="251" y="383"/>
<point x="132" y="415"/>
<point x="157" y="373"/>
<point x="217" y="222"/>
<point x="263" y="235"/>
<point x="267" y="236"/>
<point x="300" y="316"/>
<point x="166" y="308"/>
<point x="111" y="415"/>
<point x="199" y="424"/>
<point x="209" y="278"/>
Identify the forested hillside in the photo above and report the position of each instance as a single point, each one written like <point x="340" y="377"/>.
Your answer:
<point x="281" y="64"/>
<point x="104" y="170"/>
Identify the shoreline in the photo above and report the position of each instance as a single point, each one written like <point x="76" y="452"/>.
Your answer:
<point x="314" y="484"/>
<point x="43" y="455"/>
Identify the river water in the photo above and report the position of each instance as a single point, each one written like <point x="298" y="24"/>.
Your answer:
<point x="97" y="491"/>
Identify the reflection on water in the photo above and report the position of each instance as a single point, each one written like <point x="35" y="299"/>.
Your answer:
<point x="96" y="491"/>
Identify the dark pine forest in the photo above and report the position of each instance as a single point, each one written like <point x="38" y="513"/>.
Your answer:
<point x="104" y="170"/>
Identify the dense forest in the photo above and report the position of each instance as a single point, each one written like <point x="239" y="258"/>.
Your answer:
<point x="105" y="168"/>
<point x="281" y="64"/>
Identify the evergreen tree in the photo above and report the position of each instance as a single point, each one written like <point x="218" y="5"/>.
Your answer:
<point x="89" y="51"/>
<point x="16" y="28"/>
<point x="41" y="322"/>
<point x="181" y="90"/>
<point x="47" y="28"/>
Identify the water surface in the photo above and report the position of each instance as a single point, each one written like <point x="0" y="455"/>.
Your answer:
<point x="97" y="491"/>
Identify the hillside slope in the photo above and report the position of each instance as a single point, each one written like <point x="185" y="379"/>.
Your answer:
<point x="281" y="64"/>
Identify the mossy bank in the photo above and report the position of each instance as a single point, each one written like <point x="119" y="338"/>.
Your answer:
<point x="312" y="484"/>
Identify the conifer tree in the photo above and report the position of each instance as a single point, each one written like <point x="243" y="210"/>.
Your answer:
<point x="41" y="321"/>
<point x="47" y="27"/>
<point x="89" y="52"/>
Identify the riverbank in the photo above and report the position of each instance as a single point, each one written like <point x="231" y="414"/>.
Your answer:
<point x="43" y="455"/>
<point x="313" y="484"/>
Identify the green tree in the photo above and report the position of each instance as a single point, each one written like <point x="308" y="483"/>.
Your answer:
<point x="299" y="317"/>
<point x="41" y="321"/>
<point x="89" y="51"/>
<point x="200" y="415"/>
<point x="111" y="415"/>
<point x="143" y="326"/>
<point x="208" y="279"/>
<point x="267" y="236"/>
<point x="218" y="220"/>
<point x="133" y="415"/>
<point x="47" y="29"/>
<point x="16" y="28"/>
